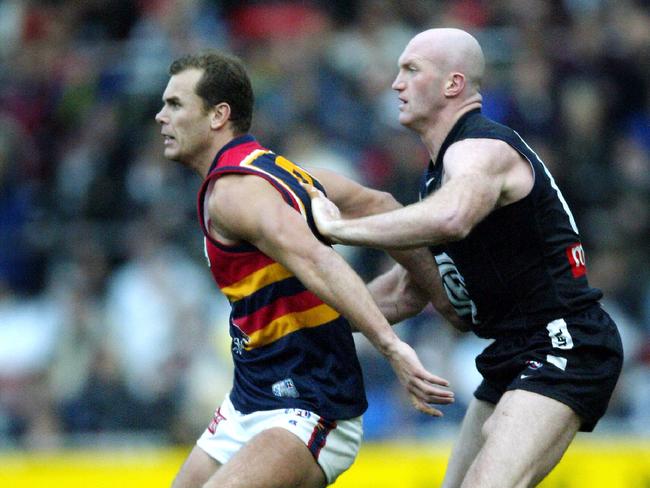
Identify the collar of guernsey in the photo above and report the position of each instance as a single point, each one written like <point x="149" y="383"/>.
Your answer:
<point x="247" y="138"/>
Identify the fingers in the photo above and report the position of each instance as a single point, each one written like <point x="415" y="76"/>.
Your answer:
<point x="324" y="212"/>
<point x="312" y="191"/>
<point x="433" y="379"/>
<point x="424" y="401"/>
<point x="429" y="393"/>
<point x="424" y="387"/>
<point x="424" y="407"/>
<point x="423" y="396"/>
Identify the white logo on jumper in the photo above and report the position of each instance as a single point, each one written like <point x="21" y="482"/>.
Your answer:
<point x="239" y="345"/>
<point x="559" y="334"/>
<point x="454" y="285"/>
<point x="285" y="388"/>
<point x="557" y="361"/>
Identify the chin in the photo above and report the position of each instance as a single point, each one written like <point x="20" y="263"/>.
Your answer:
<point x="171" y="155"/>
<point x="405" y="121"/>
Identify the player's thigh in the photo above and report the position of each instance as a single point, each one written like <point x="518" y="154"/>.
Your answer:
<point x="525" y="438"/>
<point x="274" y="458"/>
<point x="196" y="470"/>
<point x="469" y="442"/>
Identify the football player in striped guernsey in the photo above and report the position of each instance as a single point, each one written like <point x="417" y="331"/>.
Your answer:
<point x="293" y="416"/>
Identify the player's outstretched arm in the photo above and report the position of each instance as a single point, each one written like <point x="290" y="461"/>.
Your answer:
<point x="400" y="294"/>
<point x="479" y="176"/>
<point x="406" y="289"/>
<point x="395" y="296"/>
<point x="267" y="222"/>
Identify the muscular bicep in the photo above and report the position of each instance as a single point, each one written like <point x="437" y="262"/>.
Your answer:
<point x="231" y="206"/>
<point x="487" y="173"/>
<point x="472" y="182"/>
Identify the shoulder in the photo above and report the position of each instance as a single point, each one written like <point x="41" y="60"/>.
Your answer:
<point x="247" y="207"/>
<point x="485" y="154"/>
<point x="233" y="196"/>
<point x="495" y="163"/>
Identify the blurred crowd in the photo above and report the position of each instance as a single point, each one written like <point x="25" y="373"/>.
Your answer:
<point x="110" y="326"/>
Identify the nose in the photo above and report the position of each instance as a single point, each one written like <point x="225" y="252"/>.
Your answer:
<point x="160" y="116"/>
<point x="398" y="84"/>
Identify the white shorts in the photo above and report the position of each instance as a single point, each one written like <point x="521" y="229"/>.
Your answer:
<point x="334" y="445"/>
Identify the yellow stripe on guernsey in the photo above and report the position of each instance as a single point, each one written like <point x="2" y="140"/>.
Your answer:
<point x="283" y="163"/>
<point x="291" y="322"/>
<point x="255" y="281"/>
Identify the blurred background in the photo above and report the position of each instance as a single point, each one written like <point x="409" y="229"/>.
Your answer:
<point x="111" y="330"/>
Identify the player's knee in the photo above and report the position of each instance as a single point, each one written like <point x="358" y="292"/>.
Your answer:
<point x="488" y="427"/>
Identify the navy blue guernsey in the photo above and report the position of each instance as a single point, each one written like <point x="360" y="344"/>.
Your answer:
<point x="289" y="348"/>
<point x="523" y="265"/>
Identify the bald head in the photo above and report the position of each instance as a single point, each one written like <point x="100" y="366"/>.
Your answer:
<point x="451" y="50"/>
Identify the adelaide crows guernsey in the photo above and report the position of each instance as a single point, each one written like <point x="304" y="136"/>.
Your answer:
<point x="523" y="265"/>
<point x="290" y="350"/>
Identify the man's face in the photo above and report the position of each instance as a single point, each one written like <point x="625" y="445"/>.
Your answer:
<point x="185" y="124"/>
<point x="419" y="85"/>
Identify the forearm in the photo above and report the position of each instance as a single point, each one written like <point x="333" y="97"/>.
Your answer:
<point x="383" y="292"/>
<point x="447" y="215"/>
<point x="352" y="199"/>
<point x="406" y="228"/>
<point x="444" y="308"/>
<point x="394" y="297"/>
<point x="330" y="277"/>
<point x="423" y="279"/>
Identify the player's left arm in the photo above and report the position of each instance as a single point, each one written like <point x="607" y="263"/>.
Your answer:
<point x="479" y="175"/>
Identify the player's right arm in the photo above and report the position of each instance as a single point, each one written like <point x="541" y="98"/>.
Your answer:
<point x="479" y="176"/>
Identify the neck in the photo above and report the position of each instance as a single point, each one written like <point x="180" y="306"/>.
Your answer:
<point x="201" y="162"/>
<point x="435" y="135"/>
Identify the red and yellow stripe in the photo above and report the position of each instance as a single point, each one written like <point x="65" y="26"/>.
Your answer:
<point x="271" y="273"/>
<point x="291" y="322"/>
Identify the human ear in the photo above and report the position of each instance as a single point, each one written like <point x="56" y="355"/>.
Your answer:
<point x="220" y="114"/>
<point x="454" y="84"/>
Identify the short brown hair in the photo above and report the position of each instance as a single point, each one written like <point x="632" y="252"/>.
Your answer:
<point x="224" y="79"/>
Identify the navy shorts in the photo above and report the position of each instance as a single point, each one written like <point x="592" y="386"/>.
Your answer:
<point x="576" y="360"/>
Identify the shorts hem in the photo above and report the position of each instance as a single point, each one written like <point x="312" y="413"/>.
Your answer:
<point x="329" y="476"/>
<point x="212" y="456"/>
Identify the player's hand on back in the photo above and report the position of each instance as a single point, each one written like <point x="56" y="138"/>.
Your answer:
<point x="324" y="211"/>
